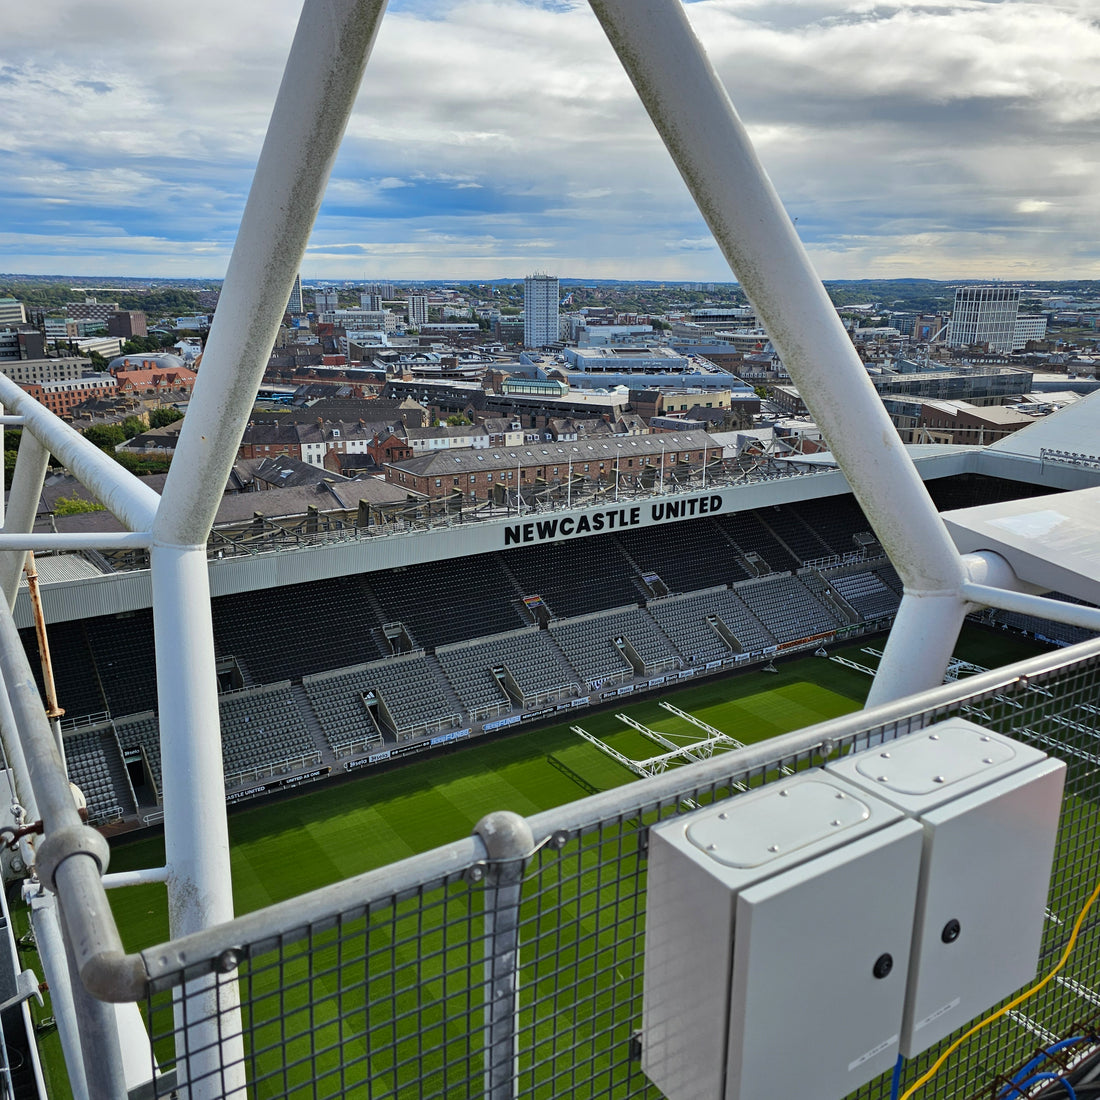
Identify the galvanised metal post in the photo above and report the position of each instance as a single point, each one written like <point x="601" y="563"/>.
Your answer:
<point x="57" y="972"/>
<point x="104" y="1072"/>
<point x="320" y="83"/>
<point x="709" y="144"/>
<point x="26" y="491"/>
<point x="509" y="844"/>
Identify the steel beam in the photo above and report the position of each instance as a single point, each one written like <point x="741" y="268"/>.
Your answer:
<point x="711" y="148"/>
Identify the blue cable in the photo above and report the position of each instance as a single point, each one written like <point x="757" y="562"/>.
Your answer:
<point x="1049" y="1077"/>
<point x="1037" y="1060"/>
<point x="895" y="1084"/>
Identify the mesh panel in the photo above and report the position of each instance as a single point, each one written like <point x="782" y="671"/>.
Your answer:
<point x="392" y="996"/>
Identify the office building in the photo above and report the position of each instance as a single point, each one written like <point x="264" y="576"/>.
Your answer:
<point x="984" y="315"/>
<point x="540" y="310"/>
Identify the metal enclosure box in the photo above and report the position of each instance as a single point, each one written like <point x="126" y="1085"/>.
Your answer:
<point x="778" y="930"/>
<point x="989" y="809"/>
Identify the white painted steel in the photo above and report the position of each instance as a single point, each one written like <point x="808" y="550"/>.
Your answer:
<point x="711" y="149"/>
<point x="135" y="878"/>
<point x="1042" y="607"/>
<point x="921" y="642"/>
<point x="45" y="541"/>
<point x="196" y="837"/>
<point x="26" y="490"/>
<point x="319" y="86"/>
<point x="131" y="501"/>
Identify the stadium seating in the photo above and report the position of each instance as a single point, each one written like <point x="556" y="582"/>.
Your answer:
<point x="834" y="520"/>
<point x="262" y="726"/>
<point x="529" y="657"/>
<point x="867" y="594"/>
<point x="789" y="528"/>
<point x="412" y="691"/>
<point x="95" y="766"/>
<point x="142" y="731"/>
<point x="589" y="646"/>
<point x="123" y="649"/>
<point x="576" y="576"/>
<point x="702" y="559"/>
<point x="74" y="669"/>
<point x="747" y="533"/>
<point x="451" y="602"/>
<point x="684" y="620"/>
<point x="319" y="625"/>
<point x="786" y="607"/>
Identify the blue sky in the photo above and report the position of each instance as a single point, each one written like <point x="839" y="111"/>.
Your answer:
<point x="496" y="137"/>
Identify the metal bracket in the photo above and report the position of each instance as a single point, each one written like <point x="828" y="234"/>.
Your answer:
<point x="27" y="985"/>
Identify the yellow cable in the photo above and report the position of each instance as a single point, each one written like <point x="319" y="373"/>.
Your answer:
<point x="936" y="1066"/>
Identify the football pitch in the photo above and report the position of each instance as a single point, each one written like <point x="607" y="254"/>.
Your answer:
<point x="284" y="848"/>
<point x="337" y="830"/>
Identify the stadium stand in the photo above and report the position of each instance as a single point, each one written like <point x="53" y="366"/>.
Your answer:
<point x="835" y="521"/>
<point x="685" y="620"/>
<point x="867" y="593"/>
<point x="589" y="644"/>
<point x="786" y="607"/>
<point x="320" y="625"/>
<point x="261" y="727"/>
<point x="141" y="733"/>
<point x="337" y="701"/>
<point x="439" y="605"/>
<point x="309" y="672"/>
<point x="701" y="560"/>
<point x="790" y="530"/>
<point x="123" y="648"/>
<point x="749" y="535"/>
<point x="74" y="669"/>
<point x="95" y="766"/>
<point x="576" y="576"/>
<point x="411" y="695"/>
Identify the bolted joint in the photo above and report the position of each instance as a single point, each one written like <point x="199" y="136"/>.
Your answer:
<point x="59" y="845"/>
<point x="508" y="842"/>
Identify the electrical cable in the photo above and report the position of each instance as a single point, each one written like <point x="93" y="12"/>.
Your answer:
<point x="1048" y="1077"/>
<point x="895" y="1081"/>
<point x="1071" y="943"/>
<point x="1025" y="1069"/>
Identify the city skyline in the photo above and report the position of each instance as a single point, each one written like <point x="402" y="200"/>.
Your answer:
<point x="946" y="140"/>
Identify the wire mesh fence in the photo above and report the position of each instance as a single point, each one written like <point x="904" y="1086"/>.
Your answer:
<point x="520" y="975"/>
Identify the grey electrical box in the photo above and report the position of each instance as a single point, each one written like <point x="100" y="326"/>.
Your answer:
<point x="778" y="931"/>
<point x="989" y="809"/>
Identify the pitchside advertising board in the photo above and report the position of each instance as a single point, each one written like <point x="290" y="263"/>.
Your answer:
<point x="595" y="521"/>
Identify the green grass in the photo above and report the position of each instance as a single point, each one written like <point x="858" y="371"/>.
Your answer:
<point x="284" y="848"/>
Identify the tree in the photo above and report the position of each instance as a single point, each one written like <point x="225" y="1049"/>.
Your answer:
<point x="163" y="416"/>
<point x="105" y="436"/>
<point x="457" y="420"/>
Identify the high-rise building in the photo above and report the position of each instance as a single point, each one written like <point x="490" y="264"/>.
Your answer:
<point x="325" y="300"/>
<point x="984" y="315"/>
<point x="540" y="310"/>
<point x="371" y="301"/>
<point x="418" y="310"/>
<point x="296" y="305"/>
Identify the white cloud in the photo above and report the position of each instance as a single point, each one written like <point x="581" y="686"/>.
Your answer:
<point x="908" y="138"/>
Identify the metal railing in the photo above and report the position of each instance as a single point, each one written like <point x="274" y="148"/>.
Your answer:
<point x="510" y="964"/>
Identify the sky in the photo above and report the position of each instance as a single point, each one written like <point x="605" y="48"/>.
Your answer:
<point x="494" y="138"/>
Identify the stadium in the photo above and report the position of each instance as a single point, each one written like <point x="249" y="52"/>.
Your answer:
<point x="485" y="918"/>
